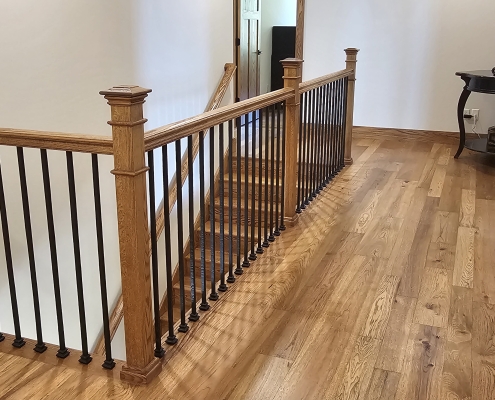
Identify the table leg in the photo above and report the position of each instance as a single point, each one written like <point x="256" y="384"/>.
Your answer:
<point x="460" y="118"/>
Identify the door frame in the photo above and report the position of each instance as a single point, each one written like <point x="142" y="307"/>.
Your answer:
<point x="299" y="38"/>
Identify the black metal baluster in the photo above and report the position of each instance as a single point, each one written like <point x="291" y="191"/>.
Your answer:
<point x="62" y="352"/>
<point x="253" y="256"/>
<point x="85" y="357"/>
<point x="321" y="179"/>
<point x="299" y="155"/>
<point x="222" y="287"/>
<point x="40" y="345"/>
<point x="213" y="294"/>
<point x="313" y="143"/>
<point x="246" y="262"/>
<point x="341" y="108"/>
<point x="335" y="141"/>
<point x="308" y="144"/>
<point x="262" y="123"/>
<point x="271" y="238"/>
<point x="183" y="327"/>
<point x="109" y="363"/>
<point x="194" y="316"/>
<point x="18" y="341"/>
<point x="304" y="173"/>
<point x="282" y="200"/>
<point x="238" y="269"/>
<point x="171" y="338"/>
<point x="202" y="197"/>
<point x="327" y="134"/>
<point x="277" y="172"/>
<point x="159" y="351"/>
<point x="337" y="127"/>
<point x="231" y="277"/>
<point x="318" y="187"/>
<point x="266" y="243"/>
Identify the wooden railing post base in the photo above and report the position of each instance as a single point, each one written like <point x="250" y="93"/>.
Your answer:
<point x="141" y="376"/>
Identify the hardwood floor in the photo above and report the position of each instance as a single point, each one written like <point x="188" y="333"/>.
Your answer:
<point x="384" y="289"/>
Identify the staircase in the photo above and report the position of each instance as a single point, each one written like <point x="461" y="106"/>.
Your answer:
<point x="241" y="163"/>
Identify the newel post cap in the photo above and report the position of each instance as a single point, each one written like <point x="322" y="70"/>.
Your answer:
<point x="125" y="91"/>
<point x="292" y="62"/>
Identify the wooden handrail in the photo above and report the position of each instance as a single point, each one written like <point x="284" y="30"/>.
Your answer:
<point x="316" y="83"/>
<point x="170" y="133"/>
<point x="56" y="141"/>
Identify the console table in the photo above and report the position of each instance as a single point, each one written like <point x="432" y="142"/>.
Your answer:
<point x="480" y="82"/>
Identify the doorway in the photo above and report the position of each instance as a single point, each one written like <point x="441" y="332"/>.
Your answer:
<point x="257" y="25"/>
<point x="248" y="48"/>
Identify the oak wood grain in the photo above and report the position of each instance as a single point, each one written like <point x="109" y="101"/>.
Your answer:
<point x="457" y="370"/>
<point x="464" y="257"/>
<point x="434" y="298"/>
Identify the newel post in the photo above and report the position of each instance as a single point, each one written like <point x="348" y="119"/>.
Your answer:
<point x="350" y="61"/>
<point x="127" y="123"/>
<point x="292" y="79"/>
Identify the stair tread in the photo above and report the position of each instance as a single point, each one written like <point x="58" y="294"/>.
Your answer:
<point x="243" y="180"/>
<point x="225" y="227"/>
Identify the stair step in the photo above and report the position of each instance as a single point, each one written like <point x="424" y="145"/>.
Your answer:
<point x="265" y="164"/>
<point x="233" y="192"/>
<point x="197" y="262"/>
<point x="226" y="235"/>
<point x="218" y="211"/>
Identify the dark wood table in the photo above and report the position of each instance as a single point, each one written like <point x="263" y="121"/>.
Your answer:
<point x="480" y="82"/>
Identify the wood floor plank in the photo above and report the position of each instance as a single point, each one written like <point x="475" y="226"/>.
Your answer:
<point x="383" y="385"/>
<point x="392" y="351"/>
<point x="468" y="202"/>
<point x="441" y="255"/>
<point x="464" y="258"/>
<point x="437" y="181"/>
<point x="444" y="157"/>
<point x="412" y="267"/>
<point x="434" y="298"/>
<point x="405" y="237"/>
<point x="457" y="369"/>
<point x="483" y="347"/>
<point x="427" y="174"/>
<point x="484" y="275"/>
<point x="263" y="379"/>
<point x="363" y="220"/>
<point x="359" y="370"/>
<point x="450" y="199"/>
<point x="380" y="238"/>
<point x="376" y="323"/>
<point x="421" y="376"/>
<point x="445" y="227"/>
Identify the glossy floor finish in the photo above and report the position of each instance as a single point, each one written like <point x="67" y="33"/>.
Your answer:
<point x="385" y="289"/>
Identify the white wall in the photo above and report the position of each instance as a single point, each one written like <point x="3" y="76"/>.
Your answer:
<point x="56" y="56"/>
<point x="273" y="13"/>
<point x="410" y="51"/>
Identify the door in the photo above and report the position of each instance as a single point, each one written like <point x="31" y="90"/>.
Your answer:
<point x="248" y="44"/>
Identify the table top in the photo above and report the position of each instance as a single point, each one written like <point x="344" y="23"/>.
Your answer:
<point x="482" y="81"/>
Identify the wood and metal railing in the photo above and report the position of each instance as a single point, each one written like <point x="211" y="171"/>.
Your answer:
<point x="215" y="101"/>
<point x="258" y="163"/>
<point x="48" y="144"/>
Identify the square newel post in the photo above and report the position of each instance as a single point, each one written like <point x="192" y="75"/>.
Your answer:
<point x="350" y="61"/>
<point x="292" y="79"/>
<point x="127" y="123"/>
